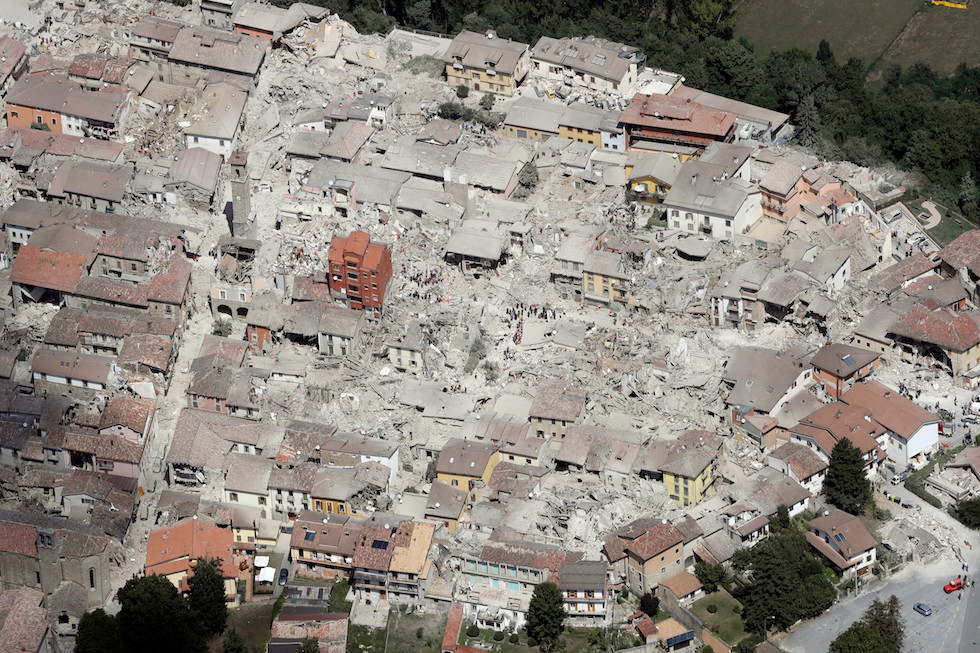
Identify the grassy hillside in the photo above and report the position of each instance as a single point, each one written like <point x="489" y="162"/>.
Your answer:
<point x="904" y="31"/>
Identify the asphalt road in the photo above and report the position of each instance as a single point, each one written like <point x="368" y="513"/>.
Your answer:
<point x="947" y="629"/>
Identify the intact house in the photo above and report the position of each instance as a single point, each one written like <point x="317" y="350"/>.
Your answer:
<point x="645" y="552"/>
<point x="822" y="429"/>
<point x="705" y="200"/>
<point x="912" y="431"/>
<point x="763" y="382"/>
<point x="360" y="271"/>
<point x="605" y="279"/>
<point x="800" y="463"/>
<point x="837" y="367"/>
<point x="584" y="586"/>
<point x="484" y="62"/>
<point x="173" y="552"/>
<point x="651" y="121"/>
<point x="90" y="185"/>
<point x="200" y="54"/>
<point x="782" y="189"/>
<point x="323" y="545"/>
<point x="406" y="351"/>
<point x="588" y="62"/>
<point x="845" y="541"/>
<point x="465" y="463"/>
<point x="653" y="176"/>
<point x="689" y="465"/>
<point x="83" y="376"/>
<point x="218" y="120"/>
<point x="556" y="406"/>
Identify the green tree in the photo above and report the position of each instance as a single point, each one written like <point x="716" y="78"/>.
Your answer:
<point x="430" y="470"/>
<point x="711" y="576"/>
<point x="781" y="520"/>
<point x="234" y="643"/>
<point x="885" y="619"/>
<point x="527" y="180"/>
<point x="969" y="199"/>
<point x="462" y="91"/>
<point x="968" y="512"/>
<point x="206" y="597"/>
<point x="154" y="618"/>
<point x="859" y="638"/>
<point x="807" y="122"/>
<point x="221" y="328"/>
<point x="546" y="614"/>
<point x="98" y="632"/>
<point x="786" y="583"/>
<point x="649" y="604"/>
<point x="487" y="101"/>
<point x="309" y="645"/>
<point x="846" y="485"/>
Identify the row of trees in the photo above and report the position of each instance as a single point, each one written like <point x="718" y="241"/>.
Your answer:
<point x="155" y="618"/>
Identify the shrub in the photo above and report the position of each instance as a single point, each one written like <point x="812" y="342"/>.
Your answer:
<point x="486" y="102"/>
<point x="515" y="638"/>
<point x="499" y="636"/>
<point x="419" y="632"/>
<point x="462" y="91"/>
<point x="221" y="328"/>
<point x="531" y="642"/>
<point x="473" y="631"/>
<point x="712" y="608"/>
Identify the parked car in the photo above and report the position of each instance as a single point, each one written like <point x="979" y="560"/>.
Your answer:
<point x="954" y="585"/>
<point x="922" y="609"/>
<point x="889" y="546"/>
<point x="897" y="479"/>
<point x="283" y="576"/>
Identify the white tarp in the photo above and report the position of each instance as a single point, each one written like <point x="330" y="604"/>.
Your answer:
<point x="261" y="561"/>
<point x="267" y="575"/>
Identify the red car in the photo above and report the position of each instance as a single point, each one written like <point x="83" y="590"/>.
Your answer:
<point x="955" y="584"/>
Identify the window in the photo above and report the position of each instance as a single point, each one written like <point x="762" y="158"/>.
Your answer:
<point x="14" y="114"/>
<point x="261" y="501"/>
<point x="341" y="508"/>
<point x="54" y="121"/>
<point x="233" y="496"/>
<point x="196" y="140"/>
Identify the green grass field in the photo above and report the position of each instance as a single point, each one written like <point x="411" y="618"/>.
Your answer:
<point x="726" y="622"/>
<point x="894" y="31"/>
<point x="253" y="622"/>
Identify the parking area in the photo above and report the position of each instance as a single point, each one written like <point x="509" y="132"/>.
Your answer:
<point x="939" y="632"/>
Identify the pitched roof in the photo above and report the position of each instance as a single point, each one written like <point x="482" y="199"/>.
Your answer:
<point x="465" y="458"/>
<point x="889" y="408"/>
<point x="803" y="461"/>
<point x="23" y="622"/>
<point x="682" y="584"/>
<point x="583" y="575"/>
<point x="850" y="535"/>
<point x="175" y="549"/>
<point x="673" y="115"/>
<point x="963" y="252"/>
<point x="46" y="269"/>
<point x="942" y="327"/>
<point x="556" y="399"/>
<point x="842" y="360"/>
<point x="131" y="412"/>
<point x="481" y="51"/>
<point x="212" y="48"/>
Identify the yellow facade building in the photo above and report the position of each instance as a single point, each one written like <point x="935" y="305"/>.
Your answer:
<point x="483" y="62"/>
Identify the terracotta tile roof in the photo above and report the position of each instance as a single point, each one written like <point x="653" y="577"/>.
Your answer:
<point x="842" y="360"/>
<point x="557" y="399"/>
<point x="525" y="553"/>
<point x="660" y="537"/>
<point x="453" y="623"/>
<point x="889" y="408"/>
<point x="113" y="291"/>
<point x="963" y="252"/>
<point x="664" y="112"/>
<point x="377" y="544"/>
<point x="18" y="538"/>
<point x="131" y="412"/>
<point x="46" y="269"/>
<point x="833" y="422"/>
<point x="150" y="350"/>
<point x="170" y="287"/>
<point x="326" y="533"/>
<point x="803" y="461"/>
<point x="944" y="328"/>
<point x="682" y="584"/>
<point x="465" y="458"/>
<point x="23" y="622"/>
<point x="171" y="550"/>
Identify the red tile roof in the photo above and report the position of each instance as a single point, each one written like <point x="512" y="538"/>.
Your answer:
<point x="171" y="550"/>
<point x="46" y="269"/>
<point x="663" y="112"/>
<point x="455" y="620"/>
<point x="170" y="287"/>
<point x="18" y="538"/>
<point x="944" y="328"/>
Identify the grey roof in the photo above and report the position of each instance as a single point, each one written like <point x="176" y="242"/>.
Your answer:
<point x="589" y="55"/>
<point x="373" y="184"/>
<point x="842" y="360"/>
<point x="247" y="473"/>
<point x="485" y="171"/>
<point x="276" y="20"/>
<point x="419" y="158"/>
<point x="661" y="166"/>
<point x="825" y="264"/>
<point x="575" y="248"/>
<point x="104" y="181"/>
<point x="701" y="186"/>
<point x="532" y="113"/>
<point x="472" y="241"/>
<point x="731" y="156"/>
<point x="220" y="112"/>
<point x="480" y="51"/>
<point x="307" y="144"/>
<point x="583" y="575"/>
<point x="311" y="318"/>
<point x="220" y="50"/>
<point x="607" y="264"/>
<point x="761" y="376"/>
<point x="440" y="131"/>
<point x="781" y="178"/>
<point x="196" y="167"/>
<point x="782" y="289"/>
<point x="579" y="115"/>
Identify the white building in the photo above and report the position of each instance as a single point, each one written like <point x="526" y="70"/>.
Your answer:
<point x="216" y="123"/>
<point x="706" y="199"/>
